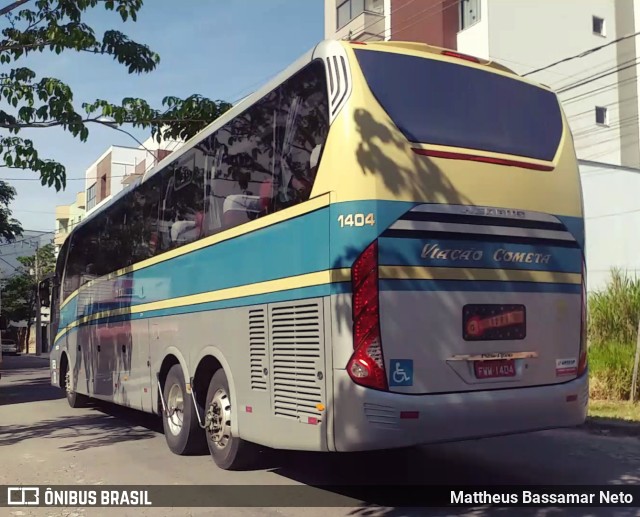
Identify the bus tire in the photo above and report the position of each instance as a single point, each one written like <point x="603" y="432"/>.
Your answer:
<point x="74" y="399"/>
<point x="181" y="430"/>
<point x="228" y="452"/>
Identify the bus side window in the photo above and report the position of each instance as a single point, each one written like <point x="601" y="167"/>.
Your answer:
<point x="244" y="163"/>
<point x="305" y="127"/>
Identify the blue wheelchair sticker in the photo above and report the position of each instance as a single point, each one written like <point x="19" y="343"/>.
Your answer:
<point x="401" y="373"/>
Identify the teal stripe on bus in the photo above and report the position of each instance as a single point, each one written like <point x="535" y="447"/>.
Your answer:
<point x="492" y="255"/>
<point x="313" y="242"/>
<point x="477" y="286"/>
<point x="259" y="299"/>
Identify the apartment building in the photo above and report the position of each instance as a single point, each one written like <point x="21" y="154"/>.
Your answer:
<point x="118" y="167"/>
<point x="435" y="22"/>
<point x="67" y="216"/>
<point x="598" y="90"/>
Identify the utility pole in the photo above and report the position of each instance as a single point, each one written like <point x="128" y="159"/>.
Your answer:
<point x="38" y="307"/>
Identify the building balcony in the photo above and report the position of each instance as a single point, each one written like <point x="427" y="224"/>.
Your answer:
<point x="81" y="200"/>
<point x="367" y="26"/>
<point x="130" y="178"/>
<point x="59" y="238"/>
<point x="62" y="212"/>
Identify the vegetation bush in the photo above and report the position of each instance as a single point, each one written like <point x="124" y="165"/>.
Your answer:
<point x="613" y="316"/>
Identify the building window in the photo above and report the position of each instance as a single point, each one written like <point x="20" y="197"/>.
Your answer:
<point x="602" y="116"/>
<point x="598" y="26"/>
<point x="349" y="9"/>
<point x="469" y="13"/>
<point x="91" y="197"/>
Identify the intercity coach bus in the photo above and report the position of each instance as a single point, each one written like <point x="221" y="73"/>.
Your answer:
<point x="383" y="247"/>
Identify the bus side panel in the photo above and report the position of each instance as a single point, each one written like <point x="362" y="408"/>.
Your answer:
<point x="131" y="372"/>
<point x="78" y="365"/>
<point x="275" y="353"/>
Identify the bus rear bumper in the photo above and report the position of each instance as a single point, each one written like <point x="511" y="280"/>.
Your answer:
<point x="366" y="419"/>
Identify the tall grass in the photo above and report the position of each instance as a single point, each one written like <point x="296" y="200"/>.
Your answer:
<point x="612" y="329"/>
<point x="614" y="312"/>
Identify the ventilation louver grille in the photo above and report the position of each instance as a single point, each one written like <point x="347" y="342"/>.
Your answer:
<point x="296" y="339"/>
<point x="339" y="82"/>
<point x="257" y="349"/>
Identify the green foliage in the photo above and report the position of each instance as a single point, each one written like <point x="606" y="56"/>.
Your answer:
<point x="613" y="328"/>
<point x="611" y="368"/>
<point x="58" y="26"/>
<point x="18" y="294"/>
<point x="614" y="312"/>
<point x="10" y="228"/>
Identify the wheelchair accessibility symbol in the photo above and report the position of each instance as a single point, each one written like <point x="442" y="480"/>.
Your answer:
<point x="401" y="373"/>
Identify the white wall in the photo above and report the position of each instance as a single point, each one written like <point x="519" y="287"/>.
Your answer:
<point x="123" y="162"/>
<point x="612" y="221"/>
<point x="474" y="40"/>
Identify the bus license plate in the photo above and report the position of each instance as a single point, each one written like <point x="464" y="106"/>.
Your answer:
<point x="493" y="322"/>
<point x="495" y="369"/>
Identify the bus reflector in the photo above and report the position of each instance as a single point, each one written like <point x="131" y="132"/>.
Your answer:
<point x="582" y="356"/>
<point x="312" y="420"/>
<point x="366" y="366"/>
<point x="357" y="42"/>
<point x="484" y="159"/>
<point x="466" y="57"/>
<point x="572" y="398"/>
<point x="412" y="415"/>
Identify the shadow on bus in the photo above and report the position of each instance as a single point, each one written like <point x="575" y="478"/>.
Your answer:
<point x="418" y="179"/>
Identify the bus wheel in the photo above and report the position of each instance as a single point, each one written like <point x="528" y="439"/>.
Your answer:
<point x="228" y="451"/>
<point x="75" y="400"/>
<point x="180" y="422"/>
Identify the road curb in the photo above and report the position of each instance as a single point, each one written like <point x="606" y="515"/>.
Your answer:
<point x="609" y="426"/>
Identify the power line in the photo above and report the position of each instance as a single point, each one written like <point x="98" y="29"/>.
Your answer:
<point x="595" y="78"/>
<point x="582" y="54"/>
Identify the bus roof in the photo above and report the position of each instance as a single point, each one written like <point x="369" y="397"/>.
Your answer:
<point x="320" y="50"/>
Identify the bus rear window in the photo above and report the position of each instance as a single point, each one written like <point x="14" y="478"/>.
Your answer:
<point x="441" y="103"/>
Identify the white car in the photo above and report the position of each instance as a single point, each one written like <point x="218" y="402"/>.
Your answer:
<point x="9" y="347"/>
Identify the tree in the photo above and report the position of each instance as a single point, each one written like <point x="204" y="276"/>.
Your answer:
<point x="58" y="26"/>
<point x="18" y="294"/>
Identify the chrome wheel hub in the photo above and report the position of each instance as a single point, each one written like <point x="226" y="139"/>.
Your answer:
<point x="175" y="410"/>
<point x="218" y="419"/>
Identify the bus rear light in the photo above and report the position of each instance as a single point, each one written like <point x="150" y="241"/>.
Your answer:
<point x="483" y="159"/>
<point x="366" y="366"/>
<point x="458" y="55"/>
<point x="582" y="356"/>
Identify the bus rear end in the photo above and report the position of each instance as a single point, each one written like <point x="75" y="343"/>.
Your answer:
<point x="458" y="215"/>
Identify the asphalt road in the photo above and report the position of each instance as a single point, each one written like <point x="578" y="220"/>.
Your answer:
<point x="44" y="441"/>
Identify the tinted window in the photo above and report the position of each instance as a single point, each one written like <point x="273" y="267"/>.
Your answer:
<point x="266" y="159"/>
<point x="262" y="161"/>
<point x="181" y="209"/>
<point x="441" y="103"/>
<point x="302" y="130"/>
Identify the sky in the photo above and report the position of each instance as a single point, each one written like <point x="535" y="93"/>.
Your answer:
<point x="219" y="49"/>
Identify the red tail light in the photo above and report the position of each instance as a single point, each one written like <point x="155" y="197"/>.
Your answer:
<point x="484" y="159"/>
<point x="366" y="366"/>
<point x="582" y="357"/>
<point x="460" y="56"/>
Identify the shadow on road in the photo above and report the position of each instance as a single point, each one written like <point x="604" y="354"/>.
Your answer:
<point x="29" y="390"/>
<point x="96" y="429"/>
